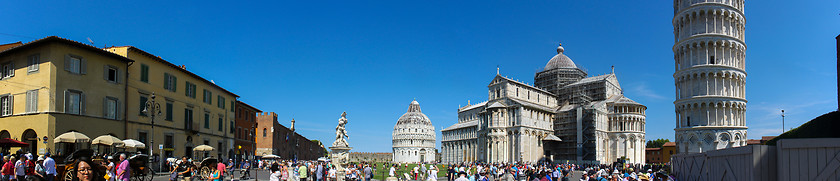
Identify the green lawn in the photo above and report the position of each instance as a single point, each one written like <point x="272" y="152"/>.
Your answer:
<point x="381" y="170"/>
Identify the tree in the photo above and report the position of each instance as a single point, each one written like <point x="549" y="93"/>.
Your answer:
<point x="656" y="143"/>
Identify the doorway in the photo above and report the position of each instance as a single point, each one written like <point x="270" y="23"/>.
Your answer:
<point x="29" y="136"/>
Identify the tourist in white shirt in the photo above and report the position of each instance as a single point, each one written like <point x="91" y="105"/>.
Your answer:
<point x="392" y="172"/>
<point x="49" y="166"/>
<point x="20" y="168"/>
<point x="432" y="173"/>
<point x="462" y="177"/>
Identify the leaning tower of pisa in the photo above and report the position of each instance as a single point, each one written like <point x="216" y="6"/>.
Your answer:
<point x="710" y="76"/>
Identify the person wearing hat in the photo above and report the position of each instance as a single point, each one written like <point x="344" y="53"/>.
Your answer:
<point x="39" y="167"/>
<point x="110" y="168"/>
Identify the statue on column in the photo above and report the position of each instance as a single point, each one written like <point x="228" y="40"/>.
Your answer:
<point x="340" y="150"/>
<point x="341" y="132"/>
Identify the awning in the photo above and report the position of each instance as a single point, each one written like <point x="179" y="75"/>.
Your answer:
<point x="6" y="142"/>
<point x="270" y="157"/>
<point x="551" y="137"/>
<point x="130" y="143"/>
<point x="203" y="148"/>
<point x="71" y="137"/>
<point x="107" y="140"/>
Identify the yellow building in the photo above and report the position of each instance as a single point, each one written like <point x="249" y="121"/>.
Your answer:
<point x="53" y="85"/>
<point x="193" y="110"/>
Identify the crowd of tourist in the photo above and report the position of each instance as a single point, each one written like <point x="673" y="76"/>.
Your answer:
<point x="33" y="167"/>
<point x="556" y="172"/>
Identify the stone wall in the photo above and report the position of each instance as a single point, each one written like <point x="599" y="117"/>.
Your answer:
<point x="370" y="157"/>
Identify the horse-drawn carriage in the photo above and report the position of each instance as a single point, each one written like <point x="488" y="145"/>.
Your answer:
<point x="206" y="166"/>
<point x="140" y="168"/>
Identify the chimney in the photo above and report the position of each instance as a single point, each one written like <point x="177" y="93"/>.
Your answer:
<point x="183" y="67"/>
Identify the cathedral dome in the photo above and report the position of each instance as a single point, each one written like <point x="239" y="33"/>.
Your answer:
<point x="560" y="61"/>
<point x="413" y="137"/>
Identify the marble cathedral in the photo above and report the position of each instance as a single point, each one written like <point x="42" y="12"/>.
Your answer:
<point x="564" y="116"/>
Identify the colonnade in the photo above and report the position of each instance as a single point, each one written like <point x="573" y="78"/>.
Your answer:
<point x="709" y="51"/>
<point x="634" y="123"/>
<point x="712" y="83"/>
<point x="722" y="113"/>
<point x="708" y="20"/>
<point x="459" y="151"/>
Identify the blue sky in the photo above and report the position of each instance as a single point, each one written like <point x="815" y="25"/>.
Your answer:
<point x="312" y="60"/>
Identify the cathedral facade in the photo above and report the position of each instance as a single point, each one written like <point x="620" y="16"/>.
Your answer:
<point x="564" y="116"/>
<point x="414" y="137"/>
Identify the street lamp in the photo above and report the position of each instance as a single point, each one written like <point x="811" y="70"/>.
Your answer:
<point x="154" y="108"/>
<point x="783" y="121"/>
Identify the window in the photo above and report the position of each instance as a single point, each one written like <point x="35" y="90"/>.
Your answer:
<point x="264" y="132"/>
<point x="143" y="100"/>
<point x="73" y="102"/>
<point x="221" y="101"/>
<point x="188" y="118"/>
<point x="34" y="62"/>
<point x="142" y="137"/>
<point x="711" y="59"/>
<point x="170" y="82"/>
<point x="169" y="107"/>
<point x="232" y="106"/>
<point x="32" y="101"/>
<point x="144" y="73"/>
<point x="7" y="71"/>
<point x="75" y="64"/>
<point x="6" y="105"/>
<point x="231" y="127"/>
<point x="221" y="124"/>
<point x="110" y="106"/>
<point x="168" y="142"/>
<point x="190" y="90"/>
<point x="208" y="97"/>
<point x="111" y="74"/>
<point x="207" y="120"/>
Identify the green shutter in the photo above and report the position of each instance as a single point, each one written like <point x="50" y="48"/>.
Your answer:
<point x="166" y="81"/>
<point x="144" y="73"/>
<point x="174" y="84"/>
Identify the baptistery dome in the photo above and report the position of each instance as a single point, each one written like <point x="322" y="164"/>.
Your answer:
<point x="414" y="137"/>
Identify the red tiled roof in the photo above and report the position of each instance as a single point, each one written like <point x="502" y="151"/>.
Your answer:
<point x="652" y="149"/>
<point x="61" y="40"/>
<point x="10" y="45"/>
<point x="669" y="144"/>
<point x="767" y="138"/>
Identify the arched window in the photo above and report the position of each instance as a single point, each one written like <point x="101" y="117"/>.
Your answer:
<point x="264" y="132"/>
